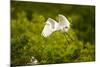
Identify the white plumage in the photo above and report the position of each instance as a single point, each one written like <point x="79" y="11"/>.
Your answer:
<point x="52" y="26"/>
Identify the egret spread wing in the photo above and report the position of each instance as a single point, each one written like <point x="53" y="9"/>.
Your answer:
<point x="63" y="21"/>
<point x="49" y="27"/>
<point x="52" y="23"/>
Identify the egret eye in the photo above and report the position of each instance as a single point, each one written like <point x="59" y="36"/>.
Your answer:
<point x="66" y="27"/>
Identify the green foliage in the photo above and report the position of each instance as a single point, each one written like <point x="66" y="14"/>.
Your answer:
<point x="27" y="22"/>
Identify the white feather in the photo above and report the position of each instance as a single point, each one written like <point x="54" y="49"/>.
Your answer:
<point x="63" y="23"/>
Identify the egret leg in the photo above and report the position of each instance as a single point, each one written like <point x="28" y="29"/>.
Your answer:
<point x="66" y="38"/>
<point x="69" y="36"/>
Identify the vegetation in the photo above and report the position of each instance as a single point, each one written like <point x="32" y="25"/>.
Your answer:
<point x="27" y="22"/>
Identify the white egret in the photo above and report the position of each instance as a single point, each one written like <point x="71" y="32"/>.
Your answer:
<point x="52" y="26"/>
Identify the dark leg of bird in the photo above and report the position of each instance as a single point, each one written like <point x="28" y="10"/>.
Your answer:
<point x="66" y="38"/>
<point x="69" y="36"/>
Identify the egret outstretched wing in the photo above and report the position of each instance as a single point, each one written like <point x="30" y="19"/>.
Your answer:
<point x="63" y="21"/>
<point x="49" y="27"/>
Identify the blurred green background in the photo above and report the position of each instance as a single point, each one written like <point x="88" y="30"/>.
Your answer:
<point x="27" y="22"/>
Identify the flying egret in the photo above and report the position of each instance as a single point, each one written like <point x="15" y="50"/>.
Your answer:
<point x="52" y="26"/>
